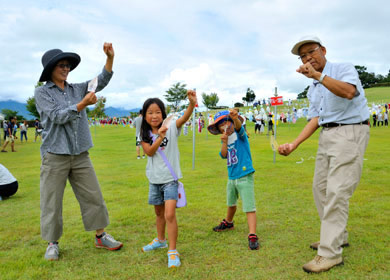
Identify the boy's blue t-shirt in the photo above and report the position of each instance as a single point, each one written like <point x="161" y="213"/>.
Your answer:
<point x="239" y="159"/>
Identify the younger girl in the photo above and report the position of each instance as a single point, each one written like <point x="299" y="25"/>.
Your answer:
<point x="163" y="188"/>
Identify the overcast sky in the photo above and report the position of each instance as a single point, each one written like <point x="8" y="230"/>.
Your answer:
<point x="213" y="46"/>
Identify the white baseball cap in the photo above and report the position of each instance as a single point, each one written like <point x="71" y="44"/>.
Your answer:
<point x="304" y="40"/>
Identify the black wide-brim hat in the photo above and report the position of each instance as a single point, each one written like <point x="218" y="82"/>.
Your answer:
<point x="50" y="59"/>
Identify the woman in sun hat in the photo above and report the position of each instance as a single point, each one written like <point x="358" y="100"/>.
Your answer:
<point x="52" y="57"/>
<point x="65" y="143"/>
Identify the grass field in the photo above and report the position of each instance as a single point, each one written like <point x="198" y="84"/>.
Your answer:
<point x="378" y="94"/>
<point x="287" y="218"/>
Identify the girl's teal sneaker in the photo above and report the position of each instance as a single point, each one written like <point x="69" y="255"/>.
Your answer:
<point x="173" y="259"/>
<point x="155" y="244"/>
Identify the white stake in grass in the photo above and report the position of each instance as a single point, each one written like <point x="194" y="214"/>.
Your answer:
<point x="193" y="137"/>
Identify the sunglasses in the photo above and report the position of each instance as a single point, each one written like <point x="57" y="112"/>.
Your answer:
<point x="64" y="66"/>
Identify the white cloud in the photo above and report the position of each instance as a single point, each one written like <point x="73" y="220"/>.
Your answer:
<point x="200" y="76"/>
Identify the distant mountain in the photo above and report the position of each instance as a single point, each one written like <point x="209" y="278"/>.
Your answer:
<point x="18" y="107"/>
<point x="119" y="112"/>
<point x="21" y="109"/>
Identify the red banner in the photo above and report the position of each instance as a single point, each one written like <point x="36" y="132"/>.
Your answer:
<point x="278" y="100"/>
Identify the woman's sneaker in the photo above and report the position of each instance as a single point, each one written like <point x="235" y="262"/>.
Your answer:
<point x="173" y="259"/>
<point x="155" y="244"/>
<point x="52" y="251"/>
<point x="253" y="241"/>
<point x="107" y="242"/>
<point x="224" y="225"/>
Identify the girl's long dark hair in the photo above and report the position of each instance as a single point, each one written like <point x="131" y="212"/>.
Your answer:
<point x="145" y="127"/>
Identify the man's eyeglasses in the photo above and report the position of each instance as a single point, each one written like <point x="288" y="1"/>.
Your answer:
<point x="63" y="66"/>
<point x="304" y="56"/>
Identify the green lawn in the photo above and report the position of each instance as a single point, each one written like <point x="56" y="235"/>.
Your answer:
<point x="287" y="217"/>
<point x="378" y="94"/>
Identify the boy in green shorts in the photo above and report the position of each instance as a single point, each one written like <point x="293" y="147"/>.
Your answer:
<point x="235" y="148"/>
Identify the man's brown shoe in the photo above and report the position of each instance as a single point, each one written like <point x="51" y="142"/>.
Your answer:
<point x="320" y="264"/>
<point x="315" y="245"/>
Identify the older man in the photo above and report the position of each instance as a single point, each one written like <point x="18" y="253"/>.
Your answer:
<point x="65" y="143"/>
<point x="339" y="106"/>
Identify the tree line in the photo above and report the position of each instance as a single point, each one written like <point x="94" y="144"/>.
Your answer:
<point x="371" y="79"/>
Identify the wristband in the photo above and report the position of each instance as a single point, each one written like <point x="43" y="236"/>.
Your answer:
<point x="322" y="78"/>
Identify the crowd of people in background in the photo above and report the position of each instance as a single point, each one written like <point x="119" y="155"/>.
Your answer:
<point x="9" y="134"/>
<point x="260" y="115"/>
<point x="11" y="128"/>
<point x="380" y="115"/>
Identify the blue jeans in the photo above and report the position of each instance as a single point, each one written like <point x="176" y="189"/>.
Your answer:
<point x="21" y="135"/>
<point x="158" y="193"/>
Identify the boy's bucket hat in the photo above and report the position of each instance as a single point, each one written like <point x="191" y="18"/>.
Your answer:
<point x="218" y="118"/>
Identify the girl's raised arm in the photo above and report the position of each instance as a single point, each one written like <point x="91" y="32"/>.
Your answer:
<point x="187" y="114"/>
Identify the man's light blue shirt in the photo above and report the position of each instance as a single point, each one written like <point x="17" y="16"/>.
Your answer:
<point x="331" y="108"/>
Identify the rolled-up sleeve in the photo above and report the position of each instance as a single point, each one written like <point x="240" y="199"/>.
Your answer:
<point x="103" y="79"/>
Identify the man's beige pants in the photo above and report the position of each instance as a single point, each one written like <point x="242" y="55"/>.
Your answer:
<point x="55" y="170"/>
<point x="337" y="173"/>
